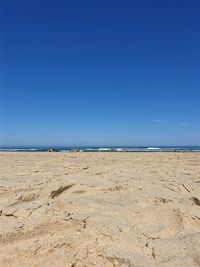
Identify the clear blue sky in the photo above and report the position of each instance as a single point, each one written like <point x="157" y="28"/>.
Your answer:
<point x="100" y="72"/>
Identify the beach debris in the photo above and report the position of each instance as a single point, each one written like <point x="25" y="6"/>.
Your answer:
<point x="186" y="188"/>
<point x="151" y="237"/>
<point x="76" y="167"/>
<point x="85" y="222"/>
<point x="9" y="213"/>
<point x="163" y="200"/>
<point x="85" y="167"/>
<point x="153" y="253"/>
<point x="195" y="200"/>
<point x="60" y="190"/>
<point x="116" y="188"/>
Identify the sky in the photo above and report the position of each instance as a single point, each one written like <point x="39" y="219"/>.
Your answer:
<point x="120" y="73"/>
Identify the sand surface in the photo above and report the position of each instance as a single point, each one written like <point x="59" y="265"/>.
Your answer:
<point x="100" y="209"/>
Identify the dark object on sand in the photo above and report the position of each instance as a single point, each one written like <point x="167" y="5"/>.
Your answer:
<point x="186" y="188"/>
<point x="60" y="190"/>
<point x="195" y="200"/>
<point x="53" y="150"/>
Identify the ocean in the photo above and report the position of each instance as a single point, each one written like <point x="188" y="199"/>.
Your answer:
<point x="104" y="149"/>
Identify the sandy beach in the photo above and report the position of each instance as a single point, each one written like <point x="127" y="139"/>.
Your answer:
<point x="99" y="209"/>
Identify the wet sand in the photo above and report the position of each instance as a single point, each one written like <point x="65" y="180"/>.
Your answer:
<point x="100" y="209"/>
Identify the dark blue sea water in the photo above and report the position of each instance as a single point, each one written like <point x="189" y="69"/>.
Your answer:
<point x="105" y="149"/>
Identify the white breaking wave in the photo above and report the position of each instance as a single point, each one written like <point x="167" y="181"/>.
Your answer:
<point x="104" y="149"/>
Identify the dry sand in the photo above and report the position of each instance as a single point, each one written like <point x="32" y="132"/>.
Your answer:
<point x="100" y="209"/>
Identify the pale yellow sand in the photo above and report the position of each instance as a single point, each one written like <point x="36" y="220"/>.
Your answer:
<point x="100" y="209"/>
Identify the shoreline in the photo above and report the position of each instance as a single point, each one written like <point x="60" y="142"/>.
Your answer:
<point x="66" y="151"/>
